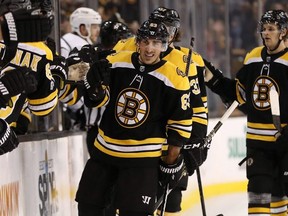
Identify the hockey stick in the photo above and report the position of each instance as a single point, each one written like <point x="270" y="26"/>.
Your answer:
<point x="207" y="144"/>
<point x="275" y="110"/>
<point x="161" y="199"/>
<point x="189" y="57"/>
<point x="201" y="194"/>
<point x="208" y="138"/>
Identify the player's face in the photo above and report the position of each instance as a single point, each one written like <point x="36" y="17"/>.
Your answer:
<point x="150" y="50"/>
<point x="271" y="35"/>
<point x="95" y="31"/>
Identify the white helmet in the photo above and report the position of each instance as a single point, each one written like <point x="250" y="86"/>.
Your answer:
<point x="86" y="16"/>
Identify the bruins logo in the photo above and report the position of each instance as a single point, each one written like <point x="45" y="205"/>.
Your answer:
<point x="180" y="72"/>
<point x="132" y="108"/>
<point x="260" y="93"/>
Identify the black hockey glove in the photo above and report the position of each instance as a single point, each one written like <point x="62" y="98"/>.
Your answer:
<point x="73" y="57"/>
<point x="97" y="76"/>
<point x="27" y="25"/>
<point x="58" y="67"/>
<point x="91" y="54"/>
<point x="171" y="173"/>
<point x="8" y="139"/>
<point x="14" y="82"/>
<point x="282" y="141"/>
<point x="194" y="153"/>
<point x="217" y="75"/>
<point x="59" y="70"/>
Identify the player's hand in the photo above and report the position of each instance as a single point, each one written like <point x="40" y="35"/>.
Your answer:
<point x="29" y="25"/>
<point x="9" y="140"/>
<point x="195" y="154"/>
<point x="59" y="70"/>
<point x="91" y="54"/>
<point x="97" y="78"/>
<point x="16" y="81"/>
<point x="171" y="173"/>
<point x="212" y="74"/>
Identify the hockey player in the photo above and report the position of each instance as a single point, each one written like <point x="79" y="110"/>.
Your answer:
<point x="85" y="24"/>
<point x="19" y="82"/>
<point x="171" y="19"/>
<point x="195" y="156"/>
<point x="264" y="69"/>
<point x="36" y="57"/>
<point x="147" y="104"/>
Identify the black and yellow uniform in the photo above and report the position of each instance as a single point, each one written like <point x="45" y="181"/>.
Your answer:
<point x="148" y="105"/>
<point x="198" y="90"/>
<point x="260" y="74"/>
<point x="36" y="56"/>
<point x="198" y="104"/>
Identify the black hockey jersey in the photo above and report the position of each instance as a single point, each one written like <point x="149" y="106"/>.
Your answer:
<point x="179" y="58"/>
<point x="261" y="73"/>
<point x="36" y="56"/>
<point x="148" y="105"/>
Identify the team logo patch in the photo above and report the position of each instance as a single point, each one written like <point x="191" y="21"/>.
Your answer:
<point x="132" y="109"/>
<point x="180" y="72"/>
<point x="260" y="93"/>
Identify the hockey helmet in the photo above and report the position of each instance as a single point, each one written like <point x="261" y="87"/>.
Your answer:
<point x="278" y="17"/>
<point x="153" y="29"/>
<point x="169" y="17"/>
<point x="85" y="16"/>
<point x="112" y="31"/>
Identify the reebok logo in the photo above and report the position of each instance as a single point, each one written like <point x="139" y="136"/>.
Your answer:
<point x="146" y="199"/>
<point x="11" y="26"/>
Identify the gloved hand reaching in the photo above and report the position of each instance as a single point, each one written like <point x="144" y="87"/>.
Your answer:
<point x="212" y="74"/>
<point x="194" y="153"/>
<point x="97" y="78"/>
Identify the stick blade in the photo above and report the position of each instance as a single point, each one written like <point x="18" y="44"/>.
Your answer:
<point x="274" y="102"/>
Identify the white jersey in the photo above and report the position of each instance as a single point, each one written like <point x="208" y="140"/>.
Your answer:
<point x="70" y="41"/>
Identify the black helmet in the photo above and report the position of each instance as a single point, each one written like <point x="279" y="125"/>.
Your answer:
<point x="278" y="17"/>
<point x="168" y="16"/>
<point x="112" y="31"/>
<point x="152" y="29"/>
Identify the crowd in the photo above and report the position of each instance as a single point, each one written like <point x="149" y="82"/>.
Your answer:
<point x="142" y="100"/>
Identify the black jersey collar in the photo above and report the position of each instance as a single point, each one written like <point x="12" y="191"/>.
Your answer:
<point x="144" y="67"/>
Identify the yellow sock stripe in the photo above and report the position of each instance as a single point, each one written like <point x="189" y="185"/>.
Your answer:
<point x="214" y="190"/>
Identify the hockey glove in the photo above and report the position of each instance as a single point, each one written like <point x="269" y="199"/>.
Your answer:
<point x="27" y="25"/>
<point x="59" y="70"/>
<point x="91" y="54"/>
<point x="73" y="57"/>
<point x="212" y="75"/>
<point x="16" y="81"/>
<point x="8" y="139"/>
<point x="171" y="173"/>
<point x="194" y="153"/>
<point x="96" y="79"/>
<point x="58" y="67"/>
<point x="282" y="141"/>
